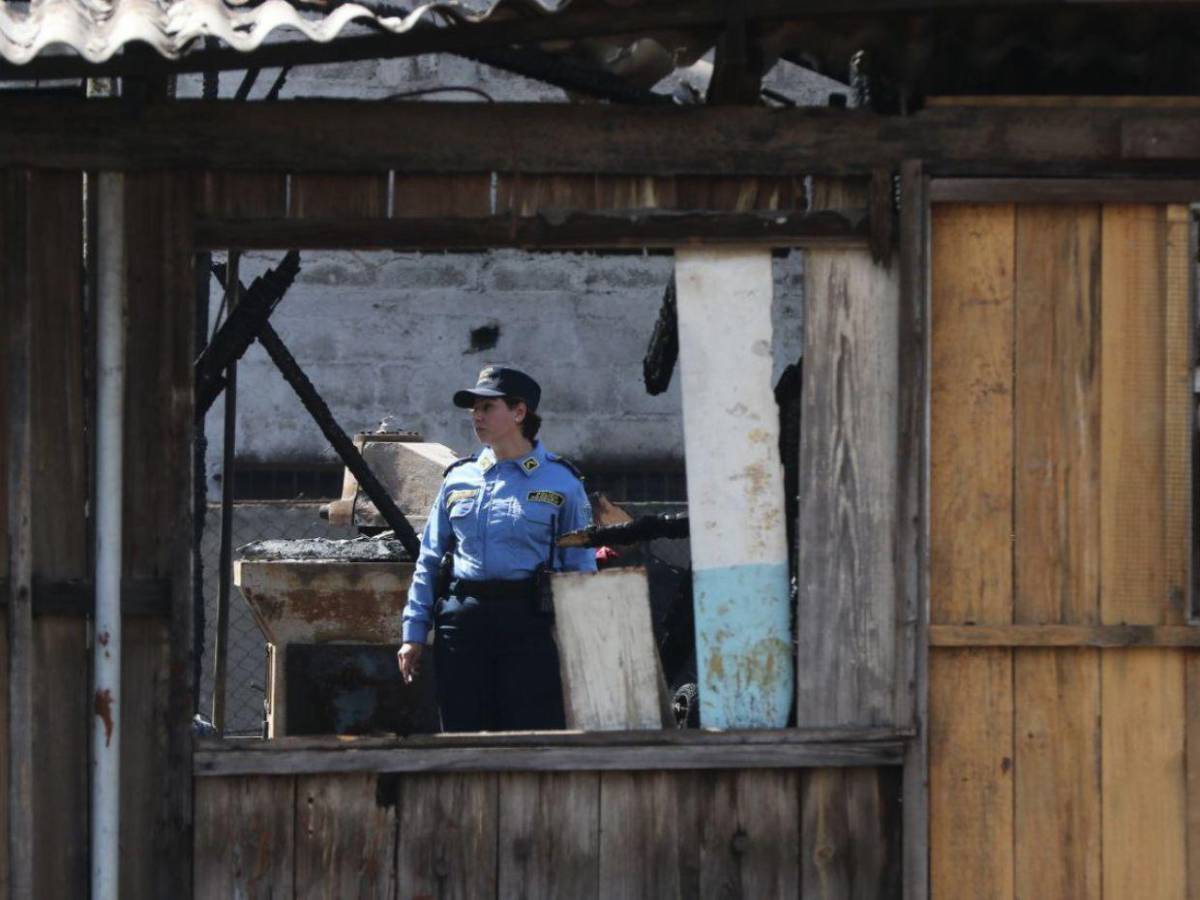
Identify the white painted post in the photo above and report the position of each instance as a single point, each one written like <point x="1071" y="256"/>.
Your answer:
<point x="735" y="488"/>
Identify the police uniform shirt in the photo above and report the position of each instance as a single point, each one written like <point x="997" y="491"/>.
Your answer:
<point x="502" y="516"/>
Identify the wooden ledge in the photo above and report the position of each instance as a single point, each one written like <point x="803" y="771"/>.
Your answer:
<point x="555" y="751"/>
<point x="1064" y="636"/>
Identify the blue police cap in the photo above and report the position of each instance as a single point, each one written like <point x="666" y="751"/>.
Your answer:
<point x="501" y="381"/>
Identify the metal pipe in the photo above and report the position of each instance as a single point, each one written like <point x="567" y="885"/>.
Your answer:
<point x="225" y="565"/>
<point x="110" y="422"/>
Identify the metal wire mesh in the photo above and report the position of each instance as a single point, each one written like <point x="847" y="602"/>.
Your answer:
<point x="245" y="670"/>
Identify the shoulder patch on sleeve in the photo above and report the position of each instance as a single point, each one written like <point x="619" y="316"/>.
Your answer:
<point x="454" y="465"/>
<point x="466" y="494"/>
<point x="562" y="461"/>
<point x="554" y="498"/>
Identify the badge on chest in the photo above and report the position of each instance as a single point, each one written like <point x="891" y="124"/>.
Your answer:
<point x="552" y="497"/>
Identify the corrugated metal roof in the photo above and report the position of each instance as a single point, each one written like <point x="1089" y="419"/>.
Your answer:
<point x="96" y="29"/>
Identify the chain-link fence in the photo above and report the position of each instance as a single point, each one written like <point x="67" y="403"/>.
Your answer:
<point x="245" y="666"/>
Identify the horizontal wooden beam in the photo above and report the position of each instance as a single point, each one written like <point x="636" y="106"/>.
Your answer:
<point x="1063" y="190"/>
<point x="547" y="231"/>
<point x="554" y="751"/>
<point x="356" y="136"/>
<point x="1064" y="636"/>
<point x="139" y="597"/>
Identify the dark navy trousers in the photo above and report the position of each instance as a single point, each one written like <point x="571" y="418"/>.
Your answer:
<point x="496" y="665"/>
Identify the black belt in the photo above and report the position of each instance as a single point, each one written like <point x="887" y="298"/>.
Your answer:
<point x="493" y="589"/>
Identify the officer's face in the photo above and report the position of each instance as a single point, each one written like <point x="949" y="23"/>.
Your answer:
<point x="494" y="421"/>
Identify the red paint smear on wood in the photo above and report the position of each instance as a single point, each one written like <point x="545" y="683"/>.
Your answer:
<point x="104" y="711"/>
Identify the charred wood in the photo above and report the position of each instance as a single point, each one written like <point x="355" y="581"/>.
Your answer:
<point x="643" y="528"/>
<point x="659" y="362"/>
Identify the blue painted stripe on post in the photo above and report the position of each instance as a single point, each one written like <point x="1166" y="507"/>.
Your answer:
<point x="744" y="645"/>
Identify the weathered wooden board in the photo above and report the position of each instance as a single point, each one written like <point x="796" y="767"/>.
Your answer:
<point x="58" y="467"/>
<point x="245" y="843"/>
<point x="1064" y="636"/>
<point x="447" y="836"/>
<point x="1056" y="465"/>
<point x="4" y="882"/>
<point x="242" y="194"/>
<point x="1143" y="784"/>
<point x="748" y="826"/>
<point x="442" y="195"/>
<point x="971" y="414"/>
<point x="337" y="195"/>
<point x="345" y="840"/>
<point x="1135" y="582"/>
<point x="648" y="837"/>
<point x="1057" y="836"/>
<point x="612" y="677"/>
<point x="549" y="835"/>
<point x="846" y="658"/>
<point x="850" y="834"/>
<point x="1179" y="416"/>
<point x="62" y="744"/>
<point x="970" y="776"/>
<point x="1192" y="762"/>
<point x="156" y="770"/>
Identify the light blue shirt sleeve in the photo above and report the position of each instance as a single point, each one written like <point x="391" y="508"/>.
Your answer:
<point x="435" y="541"/>
<point x="576" y="514"/>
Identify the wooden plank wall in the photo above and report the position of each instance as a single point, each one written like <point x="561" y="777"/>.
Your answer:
<point x="701" y="834"/>
<point x="156" y="762"/>
<point x="1060" y="494"/>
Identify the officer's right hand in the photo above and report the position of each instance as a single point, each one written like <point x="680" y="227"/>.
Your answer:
<point x="409" y="658"/>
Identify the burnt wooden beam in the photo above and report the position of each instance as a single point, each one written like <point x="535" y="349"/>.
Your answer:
<point x="312" y="136"/>
<point x="546" y="231"/>
<point x="76" y="597"/>
<point x="557" y="751"/>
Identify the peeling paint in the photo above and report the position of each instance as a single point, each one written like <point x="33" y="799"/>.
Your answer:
<point x="103" y="707"/>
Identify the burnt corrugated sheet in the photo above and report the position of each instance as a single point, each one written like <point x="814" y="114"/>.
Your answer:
<point x="96" y="29"/>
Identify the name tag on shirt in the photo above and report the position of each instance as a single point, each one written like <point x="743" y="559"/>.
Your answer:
<point x="552" y="497"/>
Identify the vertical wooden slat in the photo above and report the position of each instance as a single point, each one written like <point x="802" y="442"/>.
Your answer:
<point x="4" y="871"/>
<point x="18" y="426"/>
<point x="549" y="835"/>
<point x="242" y="195"/>
<point x="345" y="838"/>
<point x="1132" y="523"/>
<point x="156" y="770"/>
<point x="1057" y="548"/>
<point x="971" y="415"/>
<point x="912" y="518"/>
<point x="1179" y="417"/>
<point x="441" y="195"/>
<point x="447" y="837"/>
<point x="245" y="842"/>
<point x="850" y="833"/>
<point x="970" y="778"/>
<point x="749" y="833"/>
<point x="846" y="639"/>
<point x="330" y="196"/>
<point x="1143" y="786"/>
<point x="1056" y="468"/>
<point x="648" y="835"/>
<point x="527" y="195"/>
<point x="1192" y="761"/>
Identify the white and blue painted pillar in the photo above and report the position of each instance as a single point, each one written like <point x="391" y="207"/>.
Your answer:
<point x="735" y="487"/>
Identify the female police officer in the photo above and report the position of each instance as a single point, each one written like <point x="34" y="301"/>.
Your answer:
<point x="497" y="514"/>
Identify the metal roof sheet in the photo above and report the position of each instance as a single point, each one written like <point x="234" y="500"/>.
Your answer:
<point x="97" y="29"/>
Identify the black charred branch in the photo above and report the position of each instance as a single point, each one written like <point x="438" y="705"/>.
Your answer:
<point x="643" y="528"/>
<point x="659" y="363"/>
<point x="241" y="327"/>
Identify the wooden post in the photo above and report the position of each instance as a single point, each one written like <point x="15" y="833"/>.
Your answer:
<point x="225" y="565"/>
<point x="846" y="609"/>
<point x="20" y="538"/>
<point x="735" y="488"/>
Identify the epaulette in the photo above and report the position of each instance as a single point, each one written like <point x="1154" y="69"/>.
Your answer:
<point x="454" y="465"/>
<point x="554" y="457"/>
